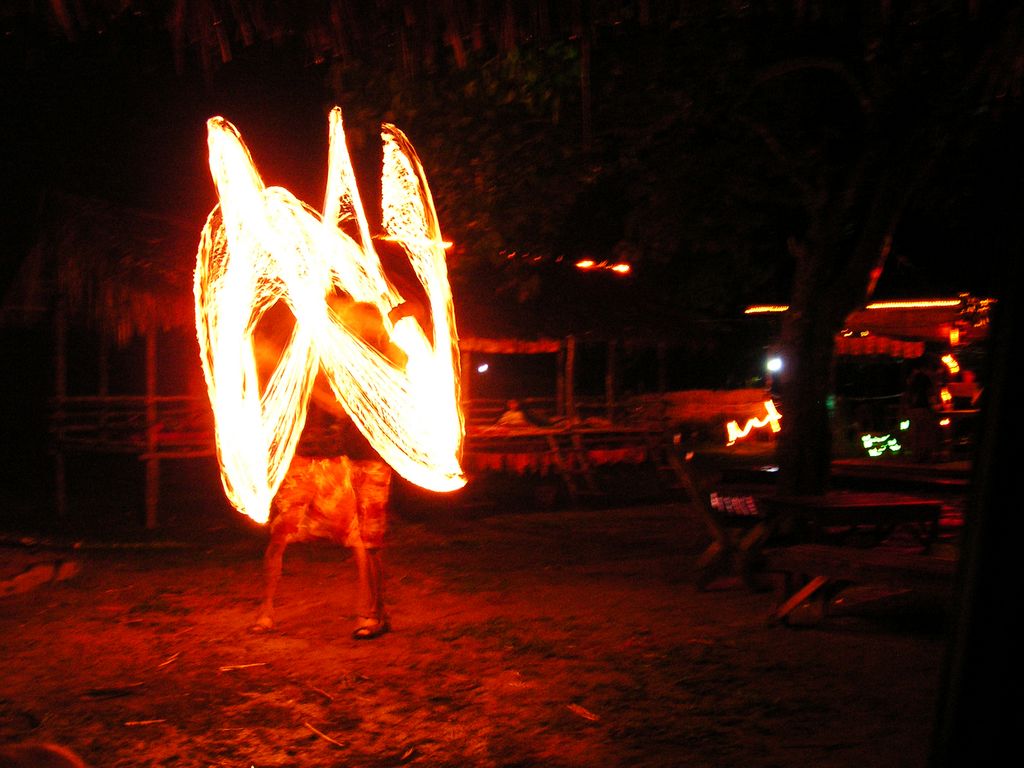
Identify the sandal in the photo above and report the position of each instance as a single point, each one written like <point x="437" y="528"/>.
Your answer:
<point x="262" y="626"/>
<point x="371" y="628"/>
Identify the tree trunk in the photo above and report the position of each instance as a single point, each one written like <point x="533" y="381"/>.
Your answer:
<point x="805" y="443"/>
<point x="808" y="346"/>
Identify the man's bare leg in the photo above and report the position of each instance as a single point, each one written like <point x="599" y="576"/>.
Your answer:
<point x="273" y="562"/>
<point x="372" y="620"/>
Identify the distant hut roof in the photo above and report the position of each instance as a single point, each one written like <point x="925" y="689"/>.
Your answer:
<point x="926" y="319"/>
<point x="121" y="270"/>
<point x="915" y="319"/>
<point x="126" y="272"/>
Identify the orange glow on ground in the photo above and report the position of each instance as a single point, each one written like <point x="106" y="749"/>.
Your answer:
<point x="771" y="418"/>
<point x="262" y="246"/>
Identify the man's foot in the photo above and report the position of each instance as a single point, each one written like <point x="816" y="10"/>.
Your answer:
<point x="263" y="624"/>
<point x="370" y="628"/>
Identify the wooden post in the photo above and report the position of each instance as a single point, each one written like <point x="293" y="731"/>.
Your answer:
<point x="60" y="391"/>
<point x="609" y="380"/>
<point x="570" y="378"/>
<point x="466" y="387"/>
<point x="103" y="358"/>
<point x="662" y="367"/>
<point x="560" y="380"/>
<point x="152" y="462"/>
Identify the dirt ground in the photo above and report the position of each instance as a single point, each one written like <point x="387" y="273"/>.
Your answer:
<point x="559" y="637"/>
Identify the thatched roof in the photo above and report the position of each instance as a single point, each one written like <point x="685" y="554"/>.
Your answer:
<point x="926" y="320"/>
<point x="123" y="271"/>
<point x="126" y="272"/>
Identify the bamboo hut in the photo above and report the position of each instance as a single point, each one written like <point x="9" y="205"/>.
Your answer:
<point x="111" y="279"/>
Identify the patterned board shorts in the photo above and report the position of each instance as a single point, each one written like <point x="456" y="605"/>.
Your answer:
<point x="333" y="498"/>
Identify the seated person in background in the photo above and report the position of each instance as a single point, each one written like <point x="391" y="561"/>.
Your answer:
<point x="965" y="392"/>
<point x="513" y="416"/>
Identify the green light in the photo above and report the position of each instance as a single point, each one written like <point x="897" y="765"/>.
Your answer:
<point x="876" y="446"/>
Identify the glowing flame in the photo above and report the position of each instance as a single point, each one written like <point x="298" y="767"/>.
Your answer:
<point x="260" y="246"/>
<point x="619" y="268"/>
<point x="946" y="397"/>
<point x="915" y="304"/>
<point x="757" y="309"/>
<point x="771" y="418"/>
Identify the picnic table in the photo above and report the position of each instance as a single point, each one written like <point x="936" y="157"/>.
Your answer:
<point x="824" y="543"/>
<point x="742" y="527"/>
<point x="838" y="514"/>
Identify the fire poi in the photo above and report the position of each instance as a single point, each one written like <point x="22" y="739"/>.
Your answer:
<point x="261" y="246"/>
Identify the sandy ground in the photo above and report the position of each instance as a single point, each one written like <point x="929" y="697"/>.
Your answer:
<point x="565" y="637"/>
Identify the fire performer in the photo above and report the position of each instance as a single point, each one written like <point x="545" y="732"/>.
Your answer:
<point x="263" y="253"/>
<point x="337" y="486"/>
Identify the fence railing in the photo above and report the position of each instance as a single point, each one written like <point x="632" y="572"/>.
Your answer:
<point x="177" y="426"/>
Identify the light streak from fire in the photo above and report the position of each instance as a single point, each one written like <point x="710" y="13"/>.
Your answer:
<point x="915" y="304"/>
<point x="261" y="246"/>
<point x="771" y="418"/>
<point x="619" y="267"/>
<point x="757" y="309"/>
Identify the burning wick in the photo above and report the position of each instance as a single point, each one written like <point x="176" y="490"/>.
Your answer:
<point x="771" y="418"/>
<point x="260" y="246"/>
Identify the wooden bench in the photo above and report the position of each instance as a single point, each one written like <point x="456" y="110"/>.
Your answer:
<point x="818" y="570"/>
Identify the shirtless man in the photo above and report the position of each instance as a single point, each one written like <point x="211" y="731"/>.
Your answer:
<point x="337" y="487"/>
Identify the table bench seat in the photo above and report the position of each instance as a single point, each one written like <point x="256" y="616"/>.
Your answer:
<point x="808" y="568"/>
